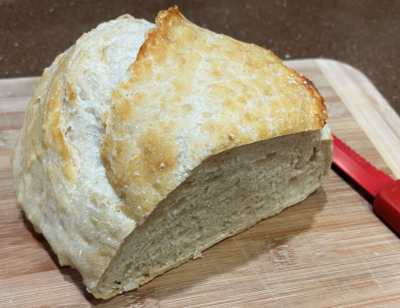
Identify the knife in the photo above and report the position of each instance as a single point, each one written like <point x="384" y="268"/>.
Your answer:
<point x="384" y="189"/>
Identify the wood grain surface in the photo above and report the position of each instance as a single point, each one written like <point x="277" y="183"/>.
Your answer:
<point x="328" y="251"/>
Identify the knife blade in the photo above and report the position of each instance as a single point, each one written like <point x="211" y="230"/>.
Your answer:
<point x="384" y="189"/>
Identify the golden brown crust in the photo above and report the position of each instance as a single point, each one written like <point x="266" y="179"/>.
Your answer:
<point x="50" y="117"/>
<point x="321" y="112"/>
<point x="71" y="93"/>
<point x="164" y="21"/>
<point x="191" y="94"/>
<point x="53" y="136"/>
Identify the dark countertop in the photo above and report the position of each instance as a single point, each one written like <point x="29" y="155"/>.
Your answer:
<point x="363" y="33"/>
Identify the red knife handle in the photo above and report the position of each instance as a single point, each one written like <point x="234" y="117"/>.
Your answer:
<point x="387" y="205"/>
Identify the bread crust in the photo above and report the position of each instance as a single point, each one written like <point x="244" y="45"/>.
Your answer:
<point x="189" y="94"/>
<point x="80" y="223"/>
<point x="192" y="93"/>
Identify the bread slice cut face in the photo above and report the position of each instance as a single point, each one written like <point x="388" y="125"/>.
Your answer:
<point x="144" y="145"/>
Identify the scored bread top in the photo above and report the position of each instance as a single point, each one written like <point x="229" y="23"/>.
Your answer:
<point x="191" y="94"/>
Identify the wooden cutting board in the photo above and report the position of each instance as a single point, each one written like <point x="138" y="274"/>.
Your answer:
<point x="328" y="251"/>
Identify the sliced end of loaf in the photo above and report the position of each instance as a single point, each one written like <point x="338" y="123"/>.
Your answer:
<point x="225" y="195"/>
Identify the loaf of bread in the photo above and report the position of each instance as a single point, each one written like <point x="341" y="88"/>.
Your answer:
<point x="145" y="144"/>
